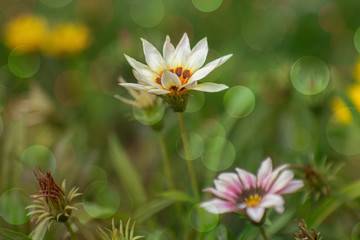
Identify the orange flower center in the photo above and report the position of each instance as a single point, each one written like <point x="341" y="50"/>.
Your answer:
<point x="183" y="74"/>
<point x="253" y="200"/>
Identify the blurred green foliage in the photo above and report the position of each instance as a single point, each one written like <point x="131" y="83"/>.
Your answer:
<point x="64" y="105"/>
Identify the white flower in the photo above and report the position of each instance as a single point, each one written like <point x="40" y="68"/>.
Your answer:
<point x="177" y="71"/>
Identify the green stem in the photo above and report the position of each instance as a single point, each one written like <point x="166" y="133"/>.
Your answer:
<point x="71" y="231"/>
<point x="166" y="163"/>
<point x="188" y="157"/>
<point x="263" y="233"/>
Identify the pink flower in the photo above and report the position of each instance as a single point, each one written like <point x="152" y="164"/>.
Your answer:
<point x="245" y="192"/>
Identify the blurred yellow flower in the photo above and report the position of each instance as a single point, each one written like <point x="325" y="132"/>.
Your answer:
<point x="341" y="110"/>
<point x="28" y="31"/>
<point x="67" y="39"/>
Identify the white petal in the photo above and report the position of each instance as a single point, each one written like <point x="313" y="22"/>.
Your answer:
<point x="218" y="206"/>
<point x="204" y="71"/>
<point x="168" y="51"/>
<point x="135" y="86"/>
<point x="210" y="87"/>
<point x="132" y="92"/>
<point x="153" y="57"/>
<point x="159" y="91"/>
<point x="271" y="200"/>
<point x="169" y="79"/>
<point x="197" y="56"/>
<point x="248" y="180"/>
<point x="282" y="181"/>
<point x="255" y="213"/>
<point x="292" y="186"/>
<point x="146" y="80"/>
<point x="140" y="67"/>
<point x="264" y="172"/>
<point x="189" y="86"/>
<point x="233" y="179"/>
<point x="182" y="52"/>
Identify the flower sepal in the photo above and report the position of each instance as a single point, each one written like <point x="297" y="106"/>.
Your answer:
<point x="177" y="102"/>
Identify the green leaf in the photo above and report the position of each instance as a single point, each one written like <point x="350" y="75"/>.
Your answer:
<point x="351" y="192"/>
<point x="250" y="232"/>
<point x="12" y="235"/>
<point x="177" y="196"/>
<point x="148" y="210"/>
<point x="280" y="221"/>
<point x="126" y="171"/>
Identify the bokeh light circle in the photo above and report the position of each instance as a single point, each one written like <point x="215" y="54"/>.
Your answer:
<point x="23" y="64"/>
<point x="95" y="173"/>
<point x="70" y="88"/>
<point x="357" y="40"/>
<point x="344" y="138"/>
<point x="55" y="3"/>
<point x="147" y="13"/>
<point x="207" y="5"/>
<point x="196" y="146"/>
<point x="38" y="156"/>
<point x="196" y="101"/>
<point x="219" y="154"/>
<point x="12" y="206"/>
<point x="310" y="75"/>
<point x="100" y="200"/>
<point x="148" y="116"/>
<point x="202" y="220"/>
<point x="239" y="101"/>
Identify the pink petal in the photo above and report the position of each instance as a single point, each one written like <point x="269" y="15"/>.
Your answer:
<point x="268" y="182"/>
<point x="291" y="187"/>
<point x="218" y="206"/>
<point x="248" y="180"/>
<point x="264" y="172"/>
<point x="255" y="213"/>
<point x="233" y="179"/>
<point x="282" y="181"/>
<point x="226" y="188"/>
<point x="223" y="195"/>
<point x="272" y="200"/>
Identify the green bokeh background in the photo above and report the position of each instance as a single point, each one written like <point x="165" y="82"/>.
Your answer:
<point x="67" y="105"/>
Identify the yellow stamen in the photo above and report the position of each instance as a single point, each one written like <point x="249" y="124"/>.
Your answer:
<point x="253" y="200"/>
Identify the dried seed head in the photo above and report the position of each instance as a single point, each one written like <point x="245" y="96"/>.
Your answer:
<point x="51" y="202"/>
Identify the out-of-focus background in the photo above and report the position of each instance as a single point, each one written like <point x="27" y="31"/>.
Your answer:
<point x="294" y="95"/>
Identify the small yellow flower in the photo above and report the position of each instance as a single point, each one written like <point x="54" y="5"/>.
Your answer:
<point x="28" y="31"/>
<point x="67" y="39"/>
<point x="340" y="109"/>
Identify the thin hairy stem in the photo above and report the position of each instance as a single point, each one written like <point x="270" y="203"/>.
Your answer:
<point x="70" y="230"/>
<point x="166" y="162"/>
<point x="188" y="157"/>
<point x="263" y="233"/>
